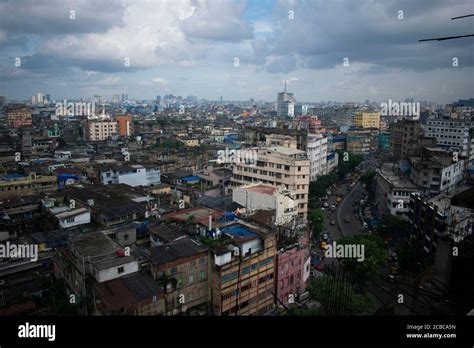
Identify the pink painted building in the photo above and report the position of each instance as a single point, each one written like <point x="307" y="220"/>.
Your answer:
<point x="290" y="275"/>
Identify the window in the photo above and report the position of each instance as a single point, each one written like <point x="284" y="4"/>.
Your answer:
<point x="120" y="270"/>
<point x="173" y="270"/>
<point x="202" y="275"/>
<point x="191" y="278"/>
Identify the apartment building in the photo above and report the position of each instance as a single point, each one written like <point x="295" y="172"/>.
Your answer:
<point x="21" y="185"/>
<point x="17" y="115"/>
<point x="436" y="171"/>
<point x="132" y="175"/>
<point x="282" y="167"/>
<point x="100" y="129"/>
<point x="362" y="141"/>
<point x="243" y="271"/>
<point x="393" y="188"/>
<point x="366" y="119"/>
<point x="262" y="197"/>
<point x="291" y="273"/>
<point x="452" y="135"/>
<point x="124" y="125"/>
<point x="181" y="267"/>
<point x="447" y="215"/>
<point x="317" y="155"/>
<point x="404" y="137"/>
<point x="90" y="259"/>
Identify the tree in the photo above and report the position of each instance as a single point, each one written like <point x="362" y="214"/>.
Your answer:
<point x="375" y="255"/>
<point x="338" y="297"/>
<point x="316" y="219"/>
<point x="392" y="226"/>
<point x="368" y="179"/>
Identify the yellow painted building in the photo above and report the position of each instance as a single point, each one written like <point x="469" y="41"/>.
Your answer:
<point x="367" y="119"/>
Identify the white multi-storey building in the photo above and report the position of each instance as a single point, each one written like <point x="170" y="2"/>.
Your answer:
<point x="133" y="175"/>
<point x="317" y="150"/>
<point x="452" y="135"/>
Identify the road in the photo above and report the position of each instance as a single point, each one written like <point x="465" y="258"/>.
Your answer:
<point x="354" y="226"/>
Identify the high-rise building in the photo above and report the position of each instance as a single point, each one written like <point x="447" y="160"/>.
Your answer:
<point x="124" y="125"/>
<point x="17" y="115"/>
<point x="407" y="138"/>
<point x="285" y="104"/>
<point x="366" y="119"/>
<point x="282" y="167"/>
<point x="40" y="98"/>
<point x="101" y="127"/>
<point x="317" y="154"/>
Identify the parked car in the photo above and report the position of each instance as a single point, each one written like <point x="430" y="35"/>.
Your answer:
<point x="333" y="222"/>
<point x="333" y="207"/>
<point x="346" y="218"/>
<point x="326" y="204"/>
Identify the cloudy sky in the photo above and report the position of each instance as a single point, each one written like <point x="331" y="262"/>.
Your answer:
<point x="237" y="49"/>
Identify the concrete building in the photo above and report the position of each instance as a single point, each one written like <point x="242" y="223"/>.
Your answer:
<point x="444" y="216"/>
<point x="21" y="185"/>
<point x="285" y="104"/>
<point x="291" y="275"/>
<point x="366" y="119"/>
<point x="88" y="260"/>
<point x="17" y="115"/>
<point x="256" y="136"/>
<point x="317" y="154"/>
<point x="282" y="167"/>
<point x="452" y="135"/>
<point x="132" y="175"/>
<point x="68" y="217"/>
<point x="406" y="139"/>
<point x="101" y="127"/>
<point x="243" y="272"/>
<point x="392" y="193"/>
<point x="362" y="141"/>
<point x="435" y="171"/>
<point x="124" y="125"/>
<point x="182" y="269"/>
<point x="261" y="197"/>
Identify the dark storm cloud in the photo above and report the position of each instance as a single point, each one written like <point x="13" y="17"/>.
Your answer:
<point x="322" y="33"/>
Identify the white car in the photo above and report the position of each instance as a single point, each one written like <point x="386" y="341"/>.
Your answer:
<point x="325" y="205"/>
<point x="333" y="207"/>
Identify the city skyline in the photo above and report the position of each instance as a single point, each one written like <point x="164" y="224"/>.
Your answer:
<point x="236" y="49"/>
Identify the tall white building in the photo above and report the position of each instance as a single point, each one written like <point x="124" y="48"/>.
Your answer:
<point x="317" y="150"/>
<point x="285" y="104"/>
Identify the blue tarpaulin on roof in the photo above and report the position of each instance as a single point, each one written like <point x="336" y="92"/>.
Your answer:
<point x="191" y="178"/>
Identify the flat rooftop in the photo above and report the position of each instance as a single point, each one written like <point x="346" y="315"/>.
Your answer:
<point x="267" y="190"/>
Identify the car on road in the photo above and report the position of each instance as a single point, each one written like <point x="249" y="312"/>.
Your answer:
<point x="339" y="199"/>
<point x="326" y="204"/>
<point x="333" y="222"/>
<point x="333" y="207"/>
<point x="346" y="218"/>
